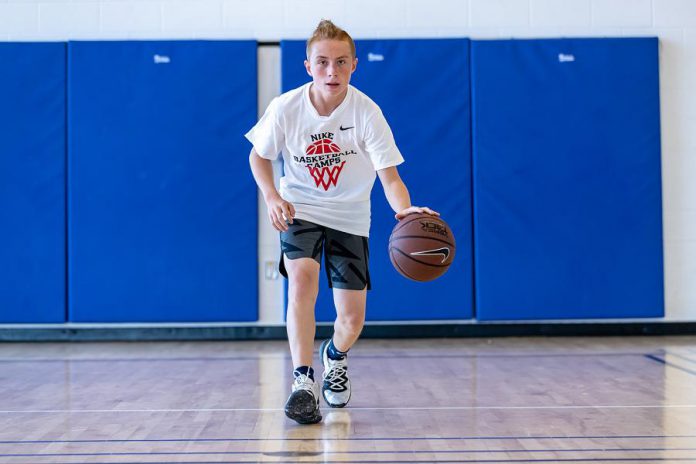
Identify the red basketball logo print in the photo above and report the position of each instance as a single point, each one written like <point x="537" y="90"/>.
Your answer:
<point x="325" y="171"/>
<point x="321" y="147"/>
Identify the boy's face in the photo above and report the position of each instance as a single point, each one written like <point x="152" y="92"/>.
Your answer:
<point x="330" y="64"/>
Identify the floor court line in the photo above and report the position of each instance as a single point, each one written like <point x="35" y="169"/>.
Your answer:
<point x="354" y="356"/>
<point x="431" y="451"/>
<point x="681" y="356"/>
<point x="323" y="461"/>
<point x="253" y="439"/>
<point x="354" y="409"/>
<point x="669" y="364"/>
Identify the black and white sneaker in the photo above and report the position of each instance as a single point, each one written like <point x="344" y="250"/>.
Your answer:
<point x="303" y="404"/>
<point x="336" y="386"/>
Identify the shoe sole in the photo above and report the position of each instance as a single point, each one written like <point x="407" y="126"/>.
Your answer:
<point x="323" y="390"/>
<point x="303" y="408"/>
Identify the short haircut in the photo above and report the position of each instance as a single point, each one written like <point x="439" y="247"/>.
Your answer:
<point x="326" y="30"/>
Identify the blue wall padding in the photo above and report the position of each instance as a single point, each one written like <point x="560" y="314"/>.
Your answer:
<point x="32" y="182"/>
<point x="422" y="87"/>
<point x="566" y="169"/>
<point x="162" y="208"/>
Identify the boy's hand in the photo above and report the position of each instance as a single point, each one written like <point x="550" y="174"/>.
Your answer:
<point x="280" y="212"/>
<point x="415" y="209"/>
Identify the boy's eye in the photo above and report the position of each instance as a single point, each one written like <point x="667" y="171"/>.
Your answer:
<point x="341" y="62"/>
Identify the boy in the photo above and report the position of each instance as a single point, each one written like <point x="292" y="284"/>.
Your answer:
<point x="334" y="139"/>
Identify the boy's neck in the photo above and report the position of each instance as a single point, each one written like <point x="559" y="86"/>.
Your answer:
<point x="325" y="106"/>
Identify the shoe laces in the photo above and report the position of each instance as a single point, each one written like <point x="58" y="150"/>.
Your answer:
<point x="303" y="382"/>
<point x="337" y="374"/>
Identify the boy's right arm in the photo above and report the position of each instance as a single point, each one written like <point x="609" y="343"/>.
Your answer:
<point x="279" y="210"/>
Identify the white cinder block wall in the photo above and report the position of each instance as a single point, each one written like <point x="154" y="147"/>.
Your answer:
<point x="673" y="21"/>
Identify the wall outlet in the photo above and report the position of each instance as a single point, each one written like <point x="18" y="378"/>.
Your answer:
<point x="270" y="270"/>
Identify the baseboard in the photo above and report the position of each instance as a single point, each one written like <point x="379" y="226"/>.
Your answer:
<point x="73" y="333"/>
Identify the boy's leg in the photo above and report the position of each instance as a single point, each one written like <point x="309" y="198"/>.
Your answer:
<point x="303" y="286"/>
<point x="347" y="266"/>
<point x="350" y="317"/>
<point x="301" y="245"/>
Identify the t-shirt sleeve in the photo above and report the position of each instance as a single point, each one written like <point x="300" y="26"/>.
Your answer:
<point x="267" y="136"/>
<point x="380" y="144"/>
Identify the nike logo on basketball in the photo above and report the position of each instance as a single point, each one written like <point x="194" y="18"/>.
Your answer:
<point x="444" y="251"/>
<point x="346" y="128"/>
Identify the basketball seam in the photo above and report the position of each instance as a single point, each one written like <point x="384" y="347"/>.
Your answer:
<point x="400" y="225"/>
<point x="400" y="269"/>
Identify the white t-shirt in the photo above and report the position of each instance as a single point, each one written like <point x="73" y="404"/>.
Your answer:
<point x="330" y="162"/>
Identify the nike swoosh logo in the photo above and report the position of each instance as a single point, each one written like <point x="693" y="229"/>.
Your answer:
<point x="345" y="128"/>
<point x="444" y="251"/>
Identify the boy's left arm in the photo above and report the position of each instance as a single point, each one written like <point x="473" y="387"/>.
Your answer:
<point x="397" y="194"/>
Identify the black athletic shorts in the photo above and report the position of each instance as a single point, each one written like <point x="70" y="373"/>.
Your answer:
<point x="345" y="255"/>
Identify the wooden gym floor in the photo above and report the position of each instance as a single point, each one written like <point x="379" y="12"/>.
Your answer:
<point x="536" y="400"/>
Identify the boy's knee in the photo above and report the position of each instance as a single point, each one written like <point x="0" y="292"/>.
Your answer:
<point x="303" y="285"/>
<point x="352" y="322"/>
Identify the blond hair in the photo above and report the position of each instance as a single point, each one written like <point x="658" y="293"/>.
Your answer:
<point x="326" y="30"/>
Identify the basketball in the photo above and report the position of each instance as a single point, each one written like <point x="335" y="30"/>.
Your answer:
<point x="421" y="247"/>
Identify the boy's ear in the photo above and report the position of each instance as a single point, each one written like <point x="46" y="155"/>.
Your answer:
<point x="306" y="65"/>
<point x="355" y="64"/>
